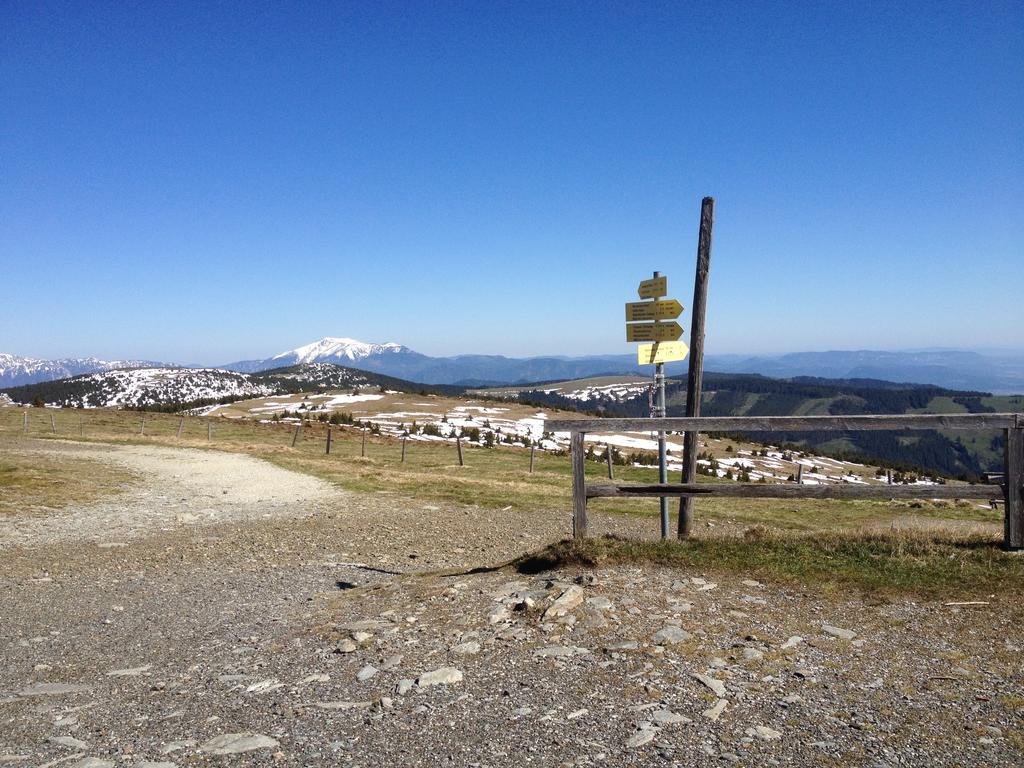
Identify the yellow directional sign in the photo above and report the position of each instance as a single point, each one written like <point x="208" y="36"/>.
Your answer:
<point x="666" y="309"/>
<point x="653" y="331"/>
<point x="654" y="288"/>
<point x="665" y="352"/>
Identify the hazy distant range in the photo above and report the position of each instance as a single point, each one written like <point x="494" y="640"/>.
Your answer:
<point x="998" y="372"/>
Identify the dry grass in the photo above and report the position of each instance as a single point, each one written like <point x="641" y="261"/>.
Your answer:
<point x="929" y="565"/>
<point x="34" y="482"/>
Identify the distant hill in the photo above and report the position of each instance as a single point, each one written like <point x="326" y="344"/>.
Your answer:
<point x="173" y="389"/>
<point x="16" y="370"/>
<point x="997" y="372"/>
<point x="953" y="454"/>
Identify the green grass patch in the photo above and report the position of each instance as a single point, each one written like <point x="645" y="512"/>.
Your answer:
<point x="909" y="562"/>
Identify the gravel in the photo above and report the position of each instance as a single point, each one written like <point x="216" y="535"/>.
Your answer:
<point x="238" y="636"/>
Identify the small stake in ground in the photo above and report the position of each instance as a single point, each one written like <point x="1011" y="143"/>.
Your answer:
<point x="24" y="424"/>
<point x="458" y="444"/>
<point x="53" y="425"/>
<point x="209" y="431"/>
<point x="362" y="449"/>
<point x="533" y="449"/>
<point x="295" y="437"/>
<point x="181" y="425"/>
<point x="799" y="473"/>
<point x="608" y="456"/>
<point x="404" y="441"/>
<point x="142" y="427"/>
<point x="328" y="451"/>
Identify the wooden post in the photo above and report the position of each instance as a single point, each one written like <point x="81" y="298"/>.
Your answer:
<point x="404" y="441"/>
<point x="579" y="486"/>
<point x="142" y="429"/>
<point x="458" y="444"/>
<point x="799" y="474"/>
<point x="608" y="456"/>
<point x="209" y="431"/>
<point x="362" y="449"/>
<point x="295" y="435"/>
<point x="695" y="376"/>
<point x="888" y="477"/>
<point x="81" y="426"/>
<point x="328" y="451"/>
<point x="53" y="424"/>
<point x="181" y="425"/>
<point x="533" y="450"/>
<point x="24" y="422"/>
<point x="1013" y="487"/>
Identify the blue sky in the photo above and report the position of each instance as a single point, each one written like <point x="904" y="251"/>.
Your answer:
<point x="210" y="182"/>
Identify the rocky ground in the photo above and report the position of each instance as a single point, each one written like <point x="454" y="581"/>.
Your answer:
<point x="238" y="614"/>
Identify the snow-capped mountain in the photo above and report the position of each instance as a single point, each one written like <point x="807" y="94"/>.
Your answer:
<point x="16" y="371"/>
<point x="330" y="349"/>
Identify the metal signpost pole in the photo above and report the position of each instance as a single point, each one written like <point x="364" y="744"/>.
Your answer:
<point x="659" y="412"/>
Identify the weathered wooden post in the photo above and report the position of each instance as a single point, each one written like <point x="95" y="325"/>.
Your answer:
<point x="888" y="477"/>
<point x="533" y="450"/>
<point x="404" y="441"/>
<point x="799" y="474"/>
<point x="458" y="444"/>
<point x="608" y="456"/>
<point x="24" y="422"/>
<point x="328" y="450"/>
<point x="142" y="428"/>
<point x="579" y="486"/>
<point x="209" y="431"/>
<point x="53" y="424"/>
<point x="362" y="449"/>
<point x="1013" y="487"/>
<point x="695" y="376"/>
<point x="81" y="426"/>
<point x="181" y="425"/>
<point x="295" y="436"/>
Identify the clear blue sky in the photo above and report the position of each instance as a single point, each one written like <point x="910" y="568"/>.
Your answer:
<point x="204" y="182"/>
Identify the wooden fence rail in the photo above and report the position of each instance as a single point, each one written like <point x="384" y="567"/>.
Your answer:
<point x="1011" y="490"/>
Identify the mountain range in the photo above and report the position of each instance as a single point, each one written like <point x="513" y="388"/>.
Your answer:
<point x="996" y="372"/>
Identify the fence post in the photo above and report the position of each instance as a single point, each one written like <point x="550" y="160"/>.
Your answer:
<point x="295" y="437"/>
<point x="181" y="425"/>
<point x="142" y="429"/>
<point x="608" y="456"/>
<point x="1013" y="492"/>
<point x="888" y="477"/>
<point x="579" y="486"/>
<point x="533" y="450"/>
<point x="81" y="426"/>
<point x="458" y="444"/>
<point x="404" y="441"/>
<point x="362" y="449"/>
<point x="53" y="424"/>
<point x="24" y="422"/>
<point x="799" y="474"/>
<point x="328" y="452"/>
<point x="209" y="431"/>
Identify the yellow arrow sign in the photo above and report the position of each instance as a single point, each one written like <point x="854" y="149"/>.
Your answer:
<point x="665" y="352"/>
<point x="653" y="332"/>
<point x="653" y="288"/>
<point x="666" y="309"/>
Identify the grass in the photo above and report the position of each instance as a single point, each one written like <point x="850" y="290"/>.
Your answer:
<point x="33" y="483"/>
<point x="932" y="566"/>
<point x="916" y="546"/>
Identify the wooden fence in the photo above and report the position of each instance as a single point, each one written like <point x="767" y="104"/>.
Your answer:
<point x="1010" y="490"/>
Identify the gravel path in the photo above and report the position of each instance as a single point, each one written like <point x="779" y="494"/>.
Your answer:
<point x="177" y="487"/>
<point x="293" y="624"/>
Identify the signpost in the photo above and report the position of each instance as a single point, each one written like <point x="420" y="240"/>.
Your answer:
<point x="646" y="322"/>
<point x="654" y="331"/>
